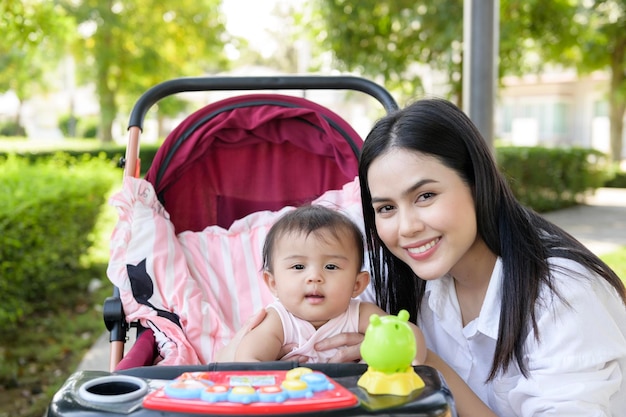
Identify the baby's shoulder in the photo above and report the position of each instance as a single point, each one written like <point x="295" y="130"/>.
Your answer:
<point x="367" y="308"/>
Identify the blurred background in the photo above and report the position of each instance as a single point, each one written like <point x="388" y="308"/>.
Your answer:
<point x="73" y="68"/>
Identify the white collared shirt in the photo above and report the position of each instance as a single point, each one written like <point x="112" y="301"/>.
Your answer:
<point x="577" y="368"/>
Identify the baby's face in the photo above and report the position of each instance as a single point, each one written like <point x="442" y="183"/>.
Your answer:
<point x="315" y="276"/>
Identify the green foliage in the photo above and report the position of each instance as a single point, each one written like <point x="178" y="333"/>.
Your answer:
<point x="136" y="44"/>
<point x="78" y="127"/>
<point x="12" y="128"/>
<point x="87" y="127"/>
<point x="34" y="34"/>
<point x="536" y="32"/>
<point x="49" y="211"/>
<point x="37" y="357"/>
<point x="67" y="125"/>
<point x="388" y="38"/>
<point x="549" y="179"/>
<point x="617" y="180"/>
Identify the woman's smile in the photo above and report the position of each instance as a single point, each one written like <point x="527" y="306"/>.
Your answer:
<point x="423" y="250"/>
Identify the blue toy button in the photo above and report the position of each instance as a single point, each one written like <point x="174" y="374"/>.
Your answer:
<point x="317" y="382"/>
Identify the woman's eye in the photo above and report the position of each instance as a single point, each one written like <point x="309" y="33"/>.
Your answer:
<point x="425" y="196"/>
<point x="384" y="209"/>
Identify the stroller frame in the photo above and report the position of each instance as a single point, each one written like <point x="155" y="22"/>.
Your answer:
<point x="113" y="311"/>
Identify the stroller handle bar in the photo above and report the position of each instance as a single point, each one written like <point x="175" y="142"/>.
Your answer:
<point x="230" y="83"/>
<point x="288" y="82"/>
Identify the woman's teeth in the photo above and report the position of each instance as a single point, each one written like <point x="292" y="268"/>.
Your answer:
<point x="424" y="248"/>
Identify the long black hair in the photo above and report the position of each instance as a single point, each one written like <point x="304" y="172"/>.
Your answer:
<point x="519" y="236"/>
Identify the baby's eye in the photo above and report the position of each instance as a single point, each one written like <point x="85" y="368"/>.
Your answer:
<point x="298" y="266"/>
<point x="331" y="267"/>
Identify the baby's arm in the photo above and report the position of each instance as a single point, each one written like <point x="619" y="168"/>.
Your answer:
<point x="263" y="342"/>
<point x="367" y="309"/>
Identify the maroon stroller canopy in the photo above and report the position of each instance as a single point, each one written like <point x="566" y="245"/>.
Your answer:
<point x="250" y="153"/>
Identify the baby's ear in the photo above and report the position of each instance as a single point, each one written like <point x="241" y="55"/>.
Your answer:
<point x="270" y="282"/>
<point x="361" y="283"/>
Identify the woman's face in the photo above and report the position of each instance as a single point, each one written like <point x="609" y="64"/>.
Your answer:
<point x="424" y="213"/>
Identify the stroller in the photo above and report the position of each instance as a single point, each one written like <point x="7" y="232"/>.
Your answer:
<point x="222" y="176"/>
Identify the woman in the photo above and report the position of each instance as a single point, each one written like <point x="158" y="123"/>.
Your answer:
<point x="527" y="316"/>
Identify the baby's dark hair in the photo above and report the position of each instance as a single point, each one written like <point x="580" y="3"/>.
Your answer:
<point x="311" y="219"/>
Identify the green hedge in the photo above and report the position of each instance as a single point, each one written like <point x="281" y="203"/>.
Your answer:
<point x="617" y="181"/>
<point x="553" y="178"/>
<point x="111" y="153"/>
<point x="48" y="212"/>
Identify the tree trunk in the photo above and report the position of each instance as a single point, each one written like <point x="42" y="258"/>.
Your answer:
<point x="20" y="130"/>
<point x="617" y="125"/>
<point x="617" y="99"/>
<point x="108" y="109"/>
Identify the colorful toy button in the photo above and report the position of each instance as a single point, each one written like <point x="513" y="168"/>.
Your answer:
<point x="243" y="395"/>
<point x="317" y="381"/>
<point x="215" y="393"/>
<point x="186" y="388"/>
<point x="296" y="373"/>
<point x="273" y="394"/>
<point x="297" y="388"/>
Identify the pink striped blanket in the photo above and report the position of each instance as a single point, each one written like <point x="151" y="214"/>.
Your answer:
<point x="194" y="289"/>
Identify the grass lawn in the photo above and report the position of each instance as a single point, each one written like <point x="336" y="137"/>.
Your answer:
<point x="617" y="261"/>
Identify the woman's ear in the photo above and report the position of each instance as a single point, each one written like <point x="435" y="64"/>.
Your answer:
<point x="270" y="282"/>
<point x="361" y="283"/>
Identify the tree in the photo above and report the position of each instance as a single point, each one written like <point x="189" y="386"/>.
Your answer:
<point x="32" y="43"/>
<point x="129" y="46"/>
<point x="602" y="47"/>
<point x="588" y="36"/>
<point x="387" y="40"/>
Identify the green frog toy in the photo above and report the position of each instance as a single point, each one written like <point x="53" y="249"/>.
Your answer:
<point x="389" y="348"/>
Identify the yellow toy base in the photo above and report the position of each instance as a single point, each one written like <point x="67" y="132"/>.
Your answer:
<point x="380" y="383"/>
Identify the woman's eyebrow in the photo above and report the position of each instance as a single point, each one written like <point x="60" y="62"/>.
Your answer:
<point x="408" y="191"/>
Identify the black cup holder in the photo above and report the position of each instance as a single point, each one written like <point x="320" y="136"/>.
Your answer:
<point x="113" y="389"/>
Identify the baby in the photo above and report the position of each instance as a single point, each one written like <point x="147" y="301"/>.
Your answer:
<point x="312" y="263"/>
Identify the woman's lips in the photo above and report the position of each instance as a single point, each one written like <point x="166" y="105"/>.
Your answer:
<point x="423" y="250"/>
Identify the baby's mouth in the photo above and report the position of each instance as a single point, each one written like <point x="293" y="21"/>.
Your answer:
<point x="314" y="296"/>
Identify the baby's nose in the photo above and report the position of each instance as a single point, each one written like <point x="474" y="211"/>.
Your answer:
<point x="315" y="277"/>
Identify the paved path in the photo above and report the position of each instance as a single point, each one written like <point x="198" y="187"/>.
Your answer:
<point x="600" y="224"/>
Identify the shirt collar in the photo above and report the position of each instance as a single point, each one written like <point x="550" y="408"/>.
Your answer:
<point x="489" y="318"/>
<point x="441" y="296"/>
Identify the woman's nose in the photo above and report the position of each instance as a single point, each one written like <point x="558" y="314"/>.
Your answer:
<point x="409" y="222"/>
